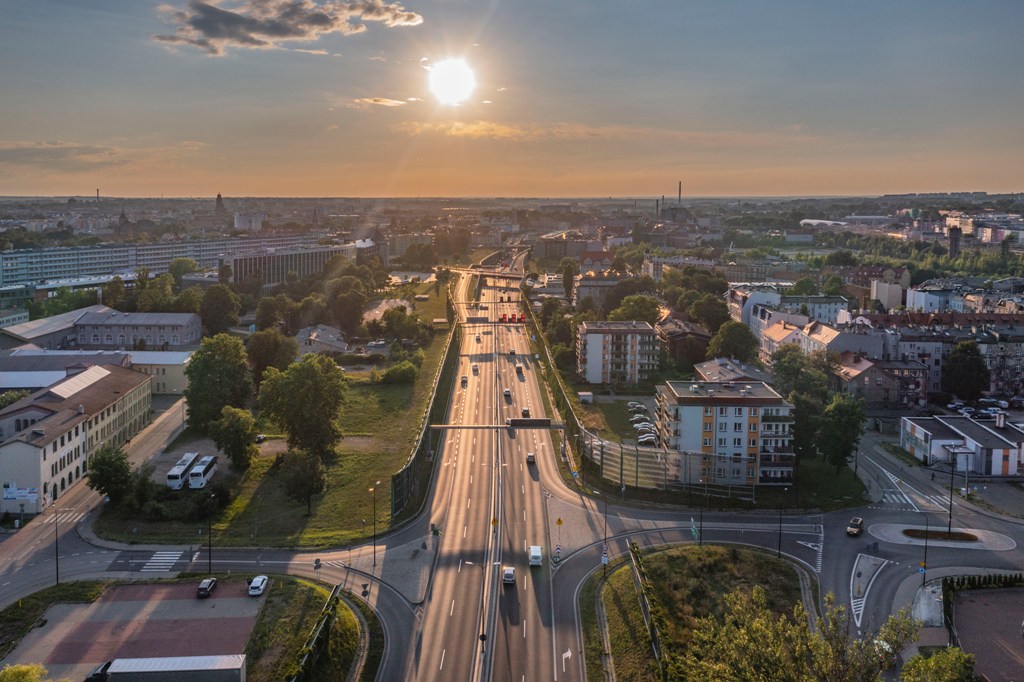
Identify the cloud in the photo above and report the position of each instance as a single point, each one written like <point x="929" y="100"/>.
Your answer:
<point x="71" y="157"/>
<point x="381" y="101"/>
<point x="267" y="23"/>
<point x="577" y="131"/>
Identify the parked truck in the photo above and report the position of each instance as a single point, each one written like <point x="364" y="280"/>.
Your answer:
<point x="226" y="668"/>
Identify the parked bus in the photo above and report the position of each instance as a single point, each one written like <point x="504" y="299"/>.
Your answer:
<point x="202" y="472"/>
<point x="178" y="474"/>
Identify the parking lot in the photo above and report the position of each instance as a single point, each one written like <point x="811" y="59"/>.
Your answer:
<point x="140" y="620"/>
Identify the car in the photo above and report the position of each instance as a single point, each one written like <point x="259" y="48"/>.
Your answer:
<point x="638" y="418"/>
<point x="476" y="368"/>
<point x="257" y="585"/>
<point x="955" y="406"/>
<point x="526" y="412"/>
<point x="632" y="404"/>
<point x="639" y="409"/>
<point x="967" y="411"/>
<point x="530" y="458"/>
<point x="987" y="401"/>
<point x="855" y="527"/>
<point x="640" y="425"/>
<point x="260" y="437"/>
<point x="478" y="338"/>
<point x="649" y="439"/>
<point x="508" y="575"/>
<point x="507" y="393"/>
<point x="511" y="351"/>
<point x="465" y="381"/>
<point x="206" y="588"/>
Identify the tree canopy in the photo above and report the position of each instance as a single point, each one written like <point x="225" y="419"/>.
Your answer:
<point x="110" y="474"/>
<point x="709" y="311"/>
<point x="27" y="673"/>
<point x="733" y="340"/>
<point x="964" y="373"/>
<point x="840" y="427"/>
<point x="638" y="307"/>
<point x="804" y="286"/>
<point x="218" y="375"/>
<point x="311" y="423"/>
<point x="304" y="476"/>
<point x="220" y="309"/>
<point x="270" y="348"/>
<point x="234" y="434"/>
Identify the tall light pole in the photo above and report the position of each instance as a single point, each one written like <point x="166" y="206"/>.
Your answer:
<point x="209" y="535"/>
<point x="924" y="564"/>
<point x="56" y="542"/>
<point x="373" y="491"/>
<point x="952" y="472"/>
<point x="779" y="550"/>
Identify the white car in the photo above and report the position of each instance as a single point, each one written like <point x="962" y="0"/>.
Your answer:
<point x="647" y="440"/>
<point x="508" y="575"/>
<point x="257" y="585"/>
<point x="640" y="425"/>
<point x="638" y="418"/>
<point x="633" y="405"/>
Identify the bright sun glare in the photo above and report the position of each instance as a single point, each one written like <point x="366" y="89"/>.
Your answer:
<point x="452" y="81"/>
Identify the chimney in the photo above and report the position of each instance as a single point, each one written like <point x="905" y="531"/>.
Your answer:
<point x="81" y="409"/>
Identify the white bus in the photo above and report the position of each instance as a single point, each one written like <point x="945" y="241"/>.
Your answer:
<point x="178" y="474"/>
<point x="202" y="472"/>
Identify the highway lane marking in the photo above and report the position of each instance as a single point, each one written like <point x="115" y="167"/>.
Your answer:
<point x="523" y="488"/>
<point x="460" y="566"/>
<point x="524" y="515"/>
<point x="464" y="529"/>
<point x="452" y="609"/>
<point x="468" y="500"/>
<point x="524" y="628"/>
<point x="471" y="479"/>
<point x="442" y="659"/>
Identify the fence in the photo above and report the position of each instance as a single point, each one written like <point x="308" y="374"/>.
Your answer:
<point x="642" y="587"/>
<point x="407" y="485"/>
<point x="318" y="638"/>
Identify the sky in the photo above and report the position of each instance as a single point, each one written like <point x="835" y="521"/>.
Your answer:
<point x="573" y="98"/>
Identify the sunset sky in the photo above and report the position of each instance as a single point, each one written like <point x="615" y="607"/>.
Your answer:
<point x="573" y="97"/>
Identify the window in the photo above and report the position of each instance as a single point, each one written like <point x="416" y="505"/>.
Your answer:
<point x="707" y="426"/>
<point x="753" y="427"/>
<point x="753" y="411"/>
<point x="753" y="442"/>
<point x="738" y="412"/>
<point x="721" y="442"/>
<point x="737" y="426"/>
<point x="737" y="442"/>
<point x="721" y="426"/>
<point x="722" y="411"/>
<point x="707" y="442"/>
<point x="708" y="411"/>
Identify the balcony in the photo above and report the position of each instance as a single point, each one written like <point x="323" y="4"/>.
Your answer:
<point x="777" y="418"/>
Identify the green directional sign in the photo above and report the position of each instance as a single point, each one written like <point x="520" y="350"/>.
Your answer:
<point x="693" y="528"/>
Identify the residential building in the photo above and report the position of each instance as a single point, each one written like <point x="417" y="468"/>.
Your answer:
<point x="742" y="431"/>
<point x="13" y="316"/>
<point x="764" y="316"/>
<point x="821" y="308"/>
<point x="776" y="336"/>
<point x="884" y="384"/>
<point x="249" y="222"/>
<point x="48" y="437"/>
<point x="992" y="448"/>
<point x="684" y="342"/>
<point x="726" y="370"/>
<point x="616" y="352"/>
<point x="56" y="331"/>
<point x="594" y="286"/>
<point x="321" y="339"/>
<point x="595" y="261"/>
<point x="742" y="298"/>
<point x="858" y="338"/>
<point x="114" y="330"/>
<point x="889" y="295"/>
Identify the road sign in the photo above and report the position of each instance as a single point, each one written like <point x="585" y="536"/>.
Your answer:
<point x="921" y="564"/>
<point x="558" y="549"/>
<point x="575" y="474"/>
<point x="921" y="570"/>
<point x="604" y="559"/>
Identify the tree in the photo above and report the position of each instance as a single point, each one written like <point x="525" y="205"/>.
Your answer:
<point x="311" y="423"/>
<point x="270" y="348"/>
<point x="402" y="373"/>
<point x="218" y="375"/>
<point x="234" y="434"/>
<point x="110" y="474"/>
<point x="220" y="309"/>
<point x="114" y="293"/>
<point x="179" y="267"/>
<point x="348" y="309"/>
<point x="840" y="429"/>
<point x="27" y="673"/>
<point x="569" y="272"/>
<point x="8" y="398"/>
<point x="945" y="665"/>
<point x="833" y="286"/>
<point x="804" y="286"/>
<point x="640" y="308"/>
<point x="304" y="476"/>
<point x="189" y="301"/>
<point x="964" y="373"/>
<point x="733" y="340"/>
<point x="710" y="311"/>
<point x="749" y="643"/>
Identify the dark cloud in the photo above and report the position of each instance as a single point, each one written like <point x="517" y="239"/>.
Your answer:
<point x="266" y="23"/>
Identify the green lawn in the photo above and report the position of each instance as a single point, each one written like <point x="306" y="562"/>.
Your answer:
<point x="689" y="583"/>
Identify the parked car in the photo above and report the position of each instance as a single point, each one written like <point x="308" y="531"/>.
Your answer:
<point x="633" y="403"/>
<point x="206" y="588"/>
<point x="1017" y="402"/>
<point x="260" y="437"/>
<point x="643" y="425"/>
<point x="955" y="406"/>
<point x="967" y="411"/>
<point x="257" y="585"/>
<point x="647" y="440"/>
<point x="638" y="418"/>
<point x="855" y="527"/>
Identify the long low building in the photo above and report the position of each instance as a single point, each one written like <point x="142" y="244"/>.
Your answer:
<point x="990" y="448"/>
<point x="48" y="437"/>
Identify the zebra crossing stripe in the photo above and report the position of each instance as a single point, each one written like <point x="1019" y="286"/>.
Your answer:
<point x="162" y="561"/>
<point x="857" y="606"/>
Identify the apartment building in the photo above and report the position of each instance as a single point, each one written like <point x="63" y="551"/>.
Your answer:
<point x="775" y="337"/>
<point x="742" y="430"/>
<point x="47" y="438"/>
<point x="272" y="266"/>
<point x="113" y="330"/>
<point x="616" y="352"/>
<point x="984" y="448"/>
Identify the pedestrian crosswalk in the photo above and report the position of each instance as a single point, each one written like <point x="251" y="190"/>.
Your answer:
<point x="897" y="499"/>
<point x="65" y="517"/>
<point x="162" y="561"/>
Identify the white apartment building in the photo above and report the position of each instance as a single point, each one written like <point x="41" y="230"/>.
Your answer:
<point x="46" y="438"/>
<point x="742" y="430"/>
<point x="616" y="352"/>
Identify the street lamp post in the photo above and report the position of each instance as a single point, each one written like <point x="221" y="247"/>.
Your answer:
<point x="373" y="491"/>
<point x="209" y="535"/>
<point x="56" y="543"/>
<point x="952" y="472"/>
<point x="779" y="549"/>
<point x="924" y="564"/>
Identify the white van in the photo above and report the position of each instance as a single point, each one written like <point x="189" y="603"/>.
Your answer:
<point x="536" y="555"/>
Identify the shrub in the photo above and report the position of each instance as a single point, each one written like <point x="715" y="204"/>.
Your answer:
<point x="403" y="373"/>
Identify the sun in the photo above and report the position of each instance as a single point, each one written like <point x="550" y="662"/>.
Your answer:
<point x="452" y="81"/>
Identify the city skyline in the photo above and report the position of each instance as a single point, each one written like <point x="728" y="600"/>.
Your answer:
<point x="582" y="99"/>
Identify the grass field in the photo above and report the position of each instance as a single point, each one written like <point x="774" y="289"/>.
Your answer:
<point x="689" y="582"/>
<point x="381" y="423"/>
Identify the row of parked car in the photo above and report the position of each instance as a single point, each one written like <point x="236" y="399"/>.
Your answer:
<point x="988" y="408"/>
<point x="645" y="431"/>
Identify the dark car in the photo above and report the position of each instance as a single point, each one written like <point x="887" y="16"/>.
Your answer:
<point x="206" y="588"/>
<point x="855" y="527"/>
<point x="526" y="411"/>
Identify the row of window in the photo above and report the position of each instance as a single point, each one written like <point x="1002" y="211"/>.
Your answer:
<point x="122" y="339"/>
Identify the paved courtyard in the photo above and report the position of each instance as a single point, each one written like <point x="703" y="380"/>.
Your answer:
<point x="137" y="621"/>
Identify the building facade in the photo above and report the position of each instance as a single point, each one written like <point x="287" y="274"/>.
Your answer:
<point x="115" y="330"/>
<point x="742" y="431"/>
<point x="272" y="266"/>
<point x="616" y="352"/>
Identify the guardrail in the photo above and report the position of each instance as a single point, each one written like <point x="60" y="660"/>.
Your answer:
<point x="318" y="638"/>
